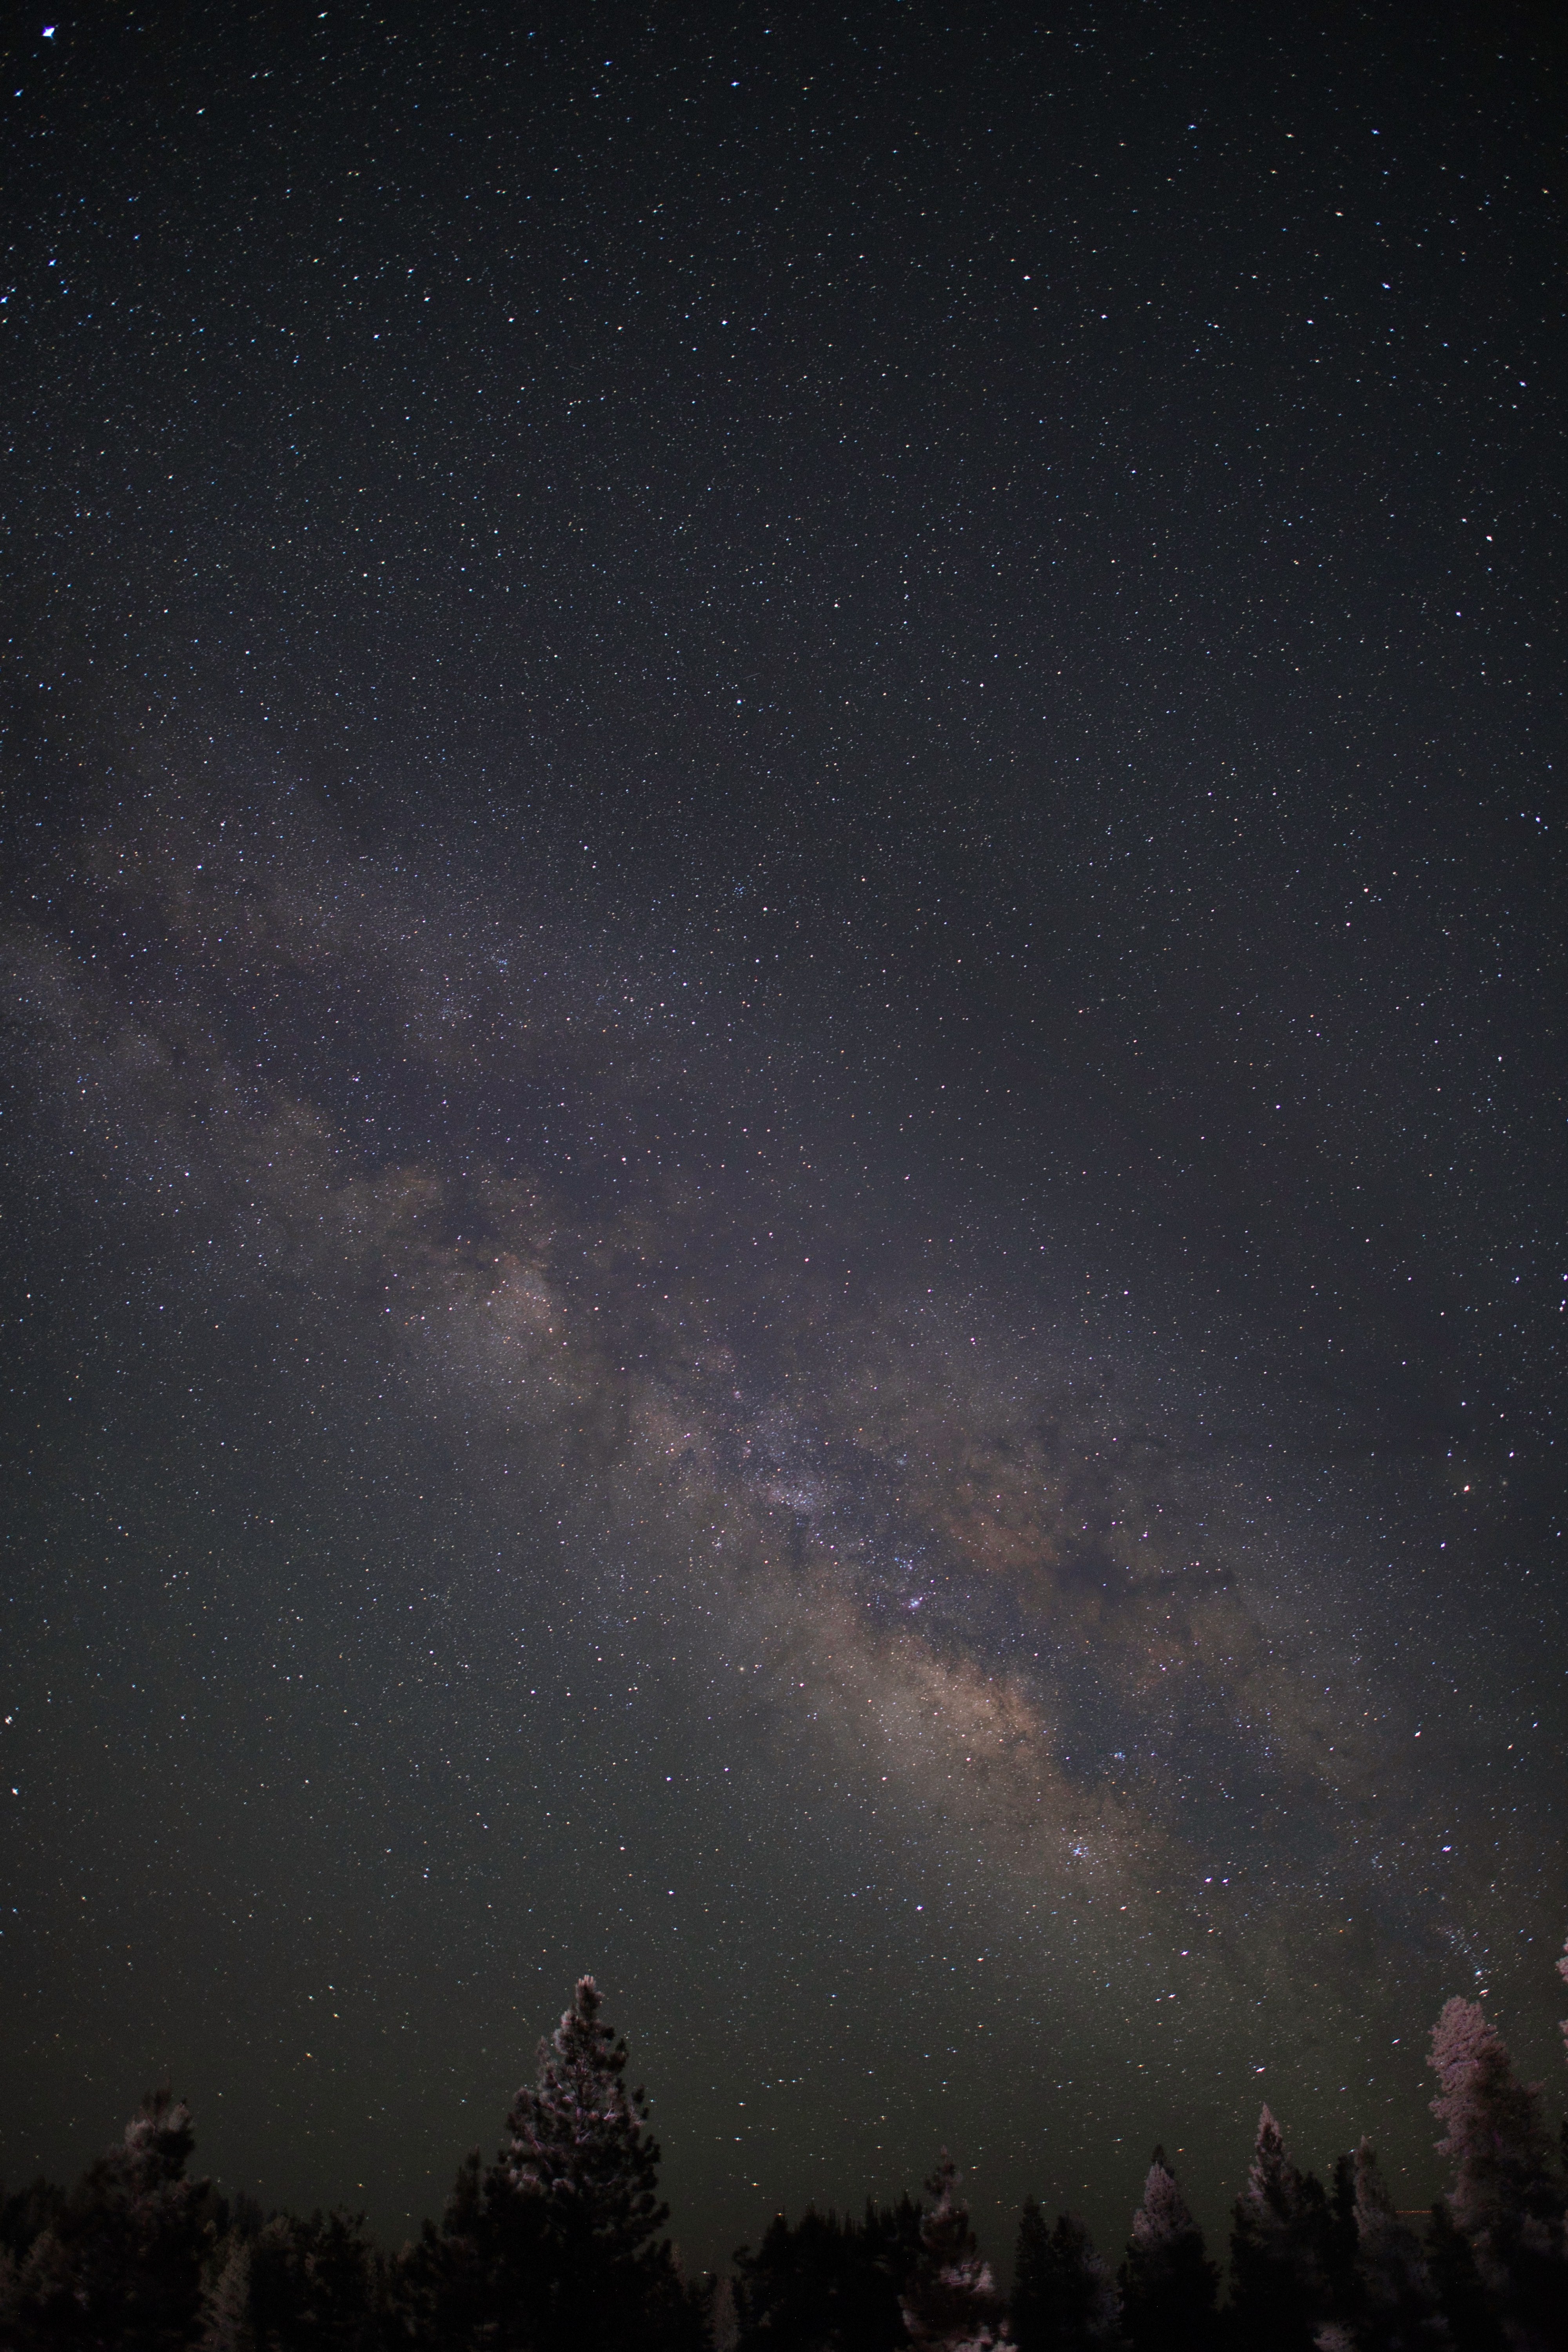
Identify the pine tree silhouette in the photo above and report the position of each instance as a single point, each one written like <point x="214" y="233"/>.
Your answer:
<point x="120" y="2264"/>
<point x="454" y="2280"/>
<point x="316" y="2281"/>
<point x="579" y="2139"/>
<point x="27" y="2214"/>
<point x="226" y="2308"/>
<point x="951" y="2303"/>
<point x="826" y="2285"/>
<point x="1279" y="2292"/>
<point x="1396" y="2297"/>
<point x="1340" y="2239"/>
<point x="1505" y="2196"/>
<point x="556" y="2246"/>
<point x="1468" y="2313"/>
<point x="1169" y="2287"/>
<point x="1063" y="2297"/>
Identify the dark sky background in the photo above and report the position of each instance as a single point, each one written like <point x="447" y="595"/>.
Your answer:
<point x="783" y="1115"/>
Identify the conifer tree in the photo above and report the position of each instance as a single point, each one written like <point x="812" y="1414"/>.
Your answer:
<point x="1169" y="2287"/>
<point x="725" y="2319"/>
<point x="1279" y="2291"/>
<point x="1504" y="2197"/>
<point x="316" y="2281"/>
<point x="579" y="2139"/>
<point x="826" y="2285"/>
<point x="1397" y="2300"/>
<point x="555" y="2248"/>
<point x="122" y="2262"/>
<point x="226" y="2307"/>
<point x="1063" y="2297"/>
<point x="584" y="2168"/>
<point x="27" y="2214"/>
<point x="1031" y="2261"/>
<point x="951" y="2303"/>
<point x="1340" y="2239"/>
<point x="450" y="2282"/>
<point x="1468" y="2312"/>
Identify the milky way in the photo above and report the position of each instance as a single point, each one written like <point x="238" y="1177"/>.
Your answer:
<point x="783" y="1190"/>
<point x="971" y="1570"/>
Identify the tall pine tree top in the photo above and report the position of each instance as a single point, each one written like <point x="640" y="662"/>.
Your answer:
<point x="1168" y="2285"/>
<point x="120" y="2261"/>
<point x="952" y="2304"/>
<point x="158" y="2143"/>
<point x="1163" y="2219"/>
<point x="1493" y="2131"/>
<point x="1281" y="2290"/>
<point x="1506" y="2197"/>
<point x="1273" y="2183"/>
<point x="578" y="2139"/>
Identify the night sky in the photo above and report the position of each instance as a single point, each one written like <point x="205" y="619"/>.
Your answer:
<point x="782" y="1093"/>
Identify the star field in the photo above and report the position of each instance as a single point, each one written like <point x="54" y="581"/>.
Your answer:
<point x="783" y="1096"/>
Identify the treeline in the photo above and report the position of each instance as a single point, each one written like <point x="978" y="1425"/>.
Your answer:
<point x="559" y="2245"/>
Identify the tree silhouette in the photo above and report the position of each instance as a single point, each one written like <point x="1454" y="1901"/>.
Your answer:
<point x="556" y="2247"/>
<point x="1395" y="2296"/>
<point x="951" y="2303"/>
<point x="120" y="2263"/>
<point x="1505" y="2196"/>
<point x="1063" y="2297"/>
<point x="227" y="2324"/>
<point x="827" y="2285"/>
<point x="1280" y="2249"/>
<point x="1169" y="2286"/>
<point x="1468" y="2313"/>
